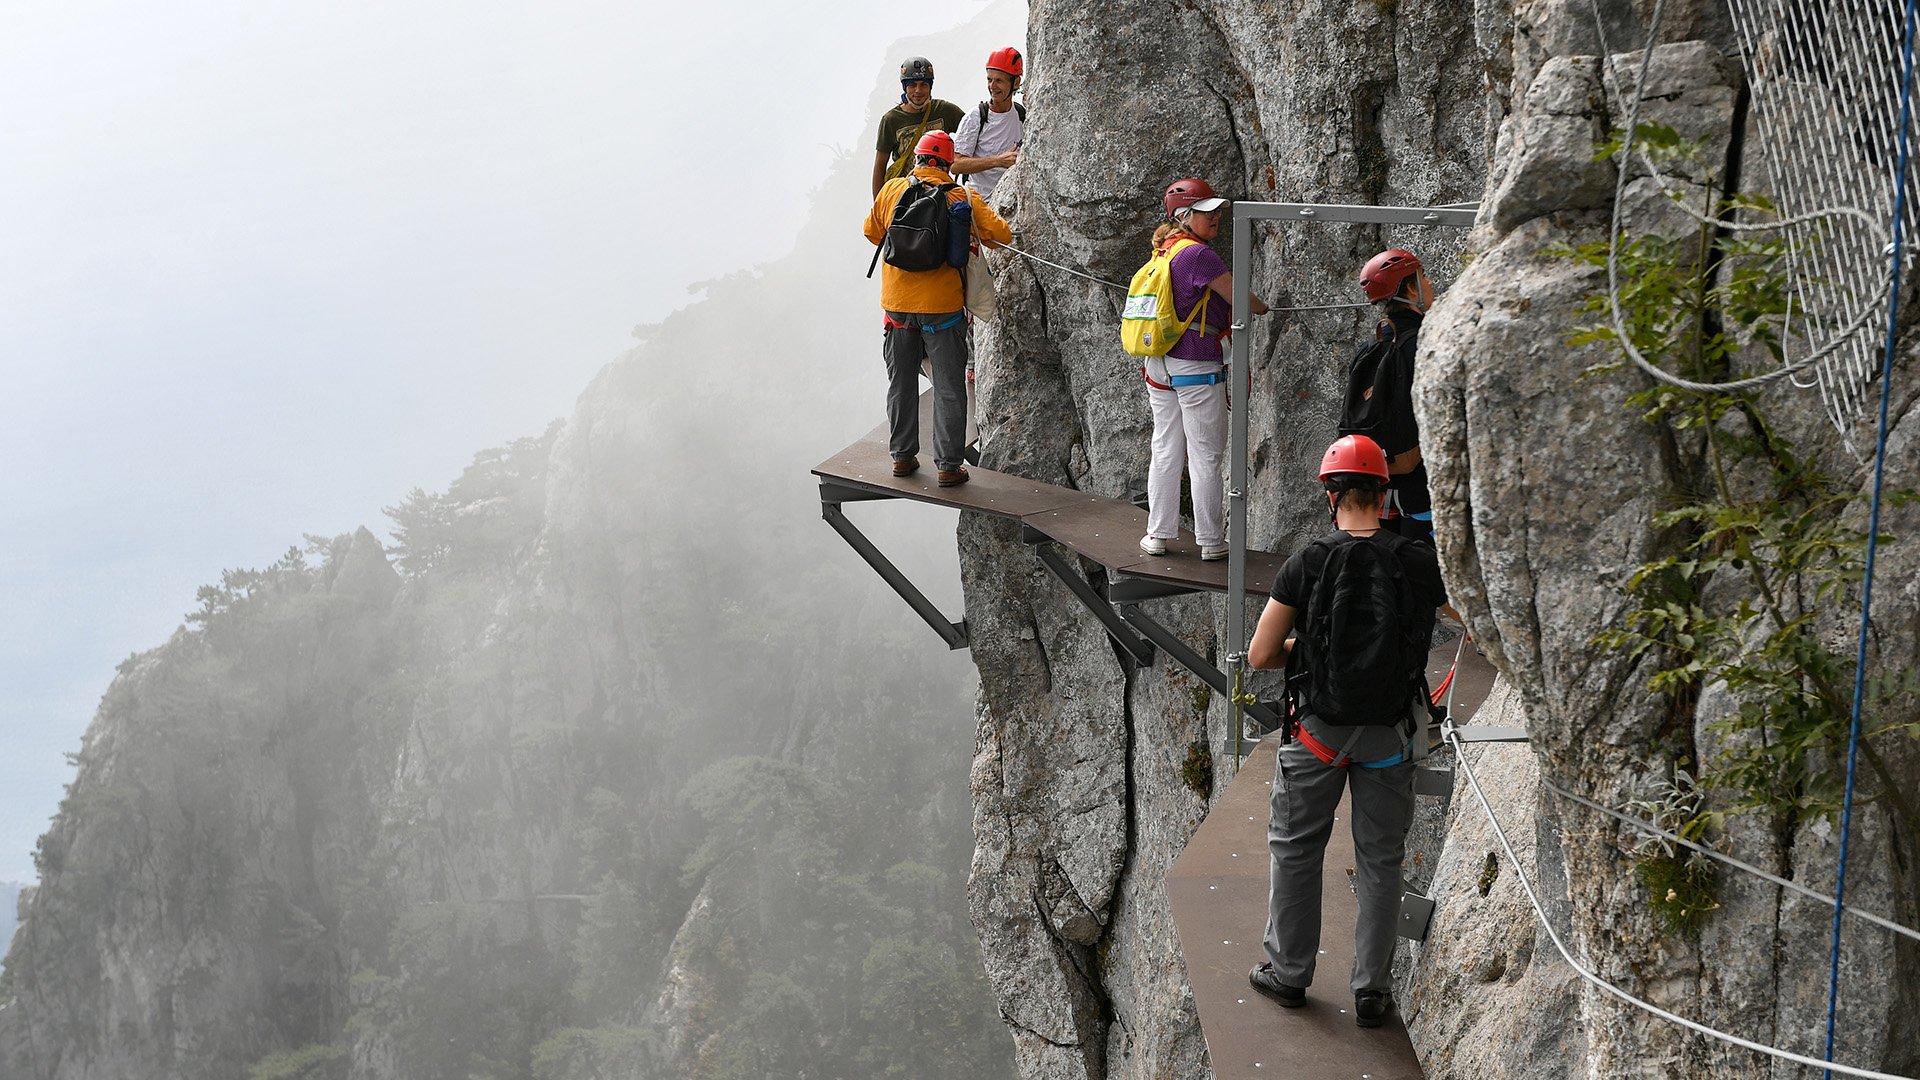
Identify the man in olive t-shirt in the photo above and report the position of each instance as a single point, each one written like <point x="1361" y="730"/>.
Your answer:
<point x="918" y="113"/>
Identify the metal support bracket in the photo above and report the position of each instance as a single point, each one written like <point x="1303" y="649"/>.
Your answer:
<point x="953" y="633"/>
<point x="1467" y="733"/>
<point x="836" y="494"/>
<point x="1192" y="661"/>
<point x="1141" y="651"/>
<point x="1416" y="915"/>
<point x="1126" y="589"/>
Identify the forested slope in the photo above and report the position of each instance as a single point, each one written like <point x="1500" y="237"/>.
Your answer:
<point x="613" y="761"/>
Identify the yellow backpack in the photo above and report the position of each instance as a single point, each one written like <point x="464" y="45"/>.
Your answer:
<point x="1149" y="324"/>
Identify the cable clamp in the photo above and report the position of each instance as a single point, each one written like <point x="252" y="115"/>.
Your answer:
<point x="1240" y="696"/>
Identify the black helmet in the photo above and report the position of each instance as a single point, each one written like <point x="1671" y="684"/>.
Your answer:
<point x="916" y="69"/>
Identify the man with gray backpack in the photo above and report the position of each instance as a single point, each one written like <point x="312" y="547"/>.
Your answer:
<point x="1360" y="605"/>
<point x="924" y="223"/>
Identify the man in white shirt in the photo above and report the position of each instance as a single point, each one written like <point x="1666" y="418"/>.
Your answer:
<point x="989" y="137"/>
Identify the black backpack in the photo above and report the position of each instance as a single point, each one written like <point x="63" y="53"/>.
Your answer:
<point x="918" y="235"/>
<point x="1357" y="656"/>
<point x="1386" y="414"/>
<point x="987" y="107"/>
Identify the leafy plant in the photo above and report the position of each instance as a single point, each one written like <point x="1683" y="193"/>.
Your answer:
<point x="1679" y="880"/>
<point x="1766" y="540"/>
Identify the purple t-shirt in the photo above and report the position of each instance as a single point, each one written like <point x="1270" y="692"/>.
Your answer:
<point x="1194" y="267"/>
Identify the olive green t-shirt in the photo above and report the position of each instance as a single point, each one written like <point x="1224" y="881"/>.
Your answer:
<point x="900" y="130"/>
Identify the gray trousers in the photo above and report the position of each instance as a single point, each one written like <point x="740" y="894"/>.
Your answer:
<point x="1305" y="794"/>
<point x="946" y="353"/>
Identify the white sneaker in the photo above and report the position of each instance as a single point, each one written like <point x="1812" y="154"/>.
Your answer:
<point x="1152" y="545"/>
<point x="1213" y="554"/>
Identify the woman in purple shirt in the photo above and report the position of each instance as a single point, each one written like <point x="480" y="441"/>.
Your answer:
<point x="1188" y="388"/>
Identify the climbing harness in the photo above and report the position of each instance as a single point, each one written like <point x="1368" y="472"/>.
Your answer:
<point x="1444" y="689"/>
<point x="1174" y="382"/>
<point x="1341" y="758"/>
<point x="891" y="323"/>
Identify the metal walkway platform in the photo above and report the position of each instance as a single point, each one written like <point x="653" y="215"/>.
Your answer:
<point x="1217" y="889"/>
<point x="1105" y="532"/>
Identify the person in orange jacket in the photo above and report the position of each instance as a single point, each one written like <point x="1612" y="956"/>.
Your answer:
<point x="925" y="318"/>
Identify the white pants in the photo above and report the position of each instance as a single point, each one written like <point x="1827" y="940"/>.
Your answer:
<point x="1189" y="429"/>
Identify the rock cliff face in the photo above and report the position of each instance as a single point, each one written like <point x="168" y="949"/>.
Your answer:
<point x="1546" y="484"/>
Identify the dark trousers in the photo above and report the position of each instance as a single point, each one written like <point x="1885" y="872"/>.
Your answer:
<point x="946" y="353"/>
<point x="1306" y="793"/>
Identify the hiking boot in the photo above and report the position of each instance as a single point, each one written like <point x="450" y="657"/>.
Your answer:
<point x="906" y="466"/>
<point x="953" y="477"/>
<point x="1213" y="552"/>
<point x="1370" y="1007"/>
<point x="1152" y="545"/>
<point x="1264" y="980"/>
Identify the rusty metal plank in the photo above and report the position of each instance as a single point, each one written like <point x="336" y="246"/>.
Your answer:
<point x="1108" y="531"/>
<point x="1182" y="564"/>
<point x="867" y="465"/>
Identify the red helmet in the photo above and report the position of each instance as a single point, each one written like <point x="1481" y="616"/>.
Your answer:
<point x="937" y="144"/>
<point x="1382" y="275"/>
<point x="1007" y="60"/>
<point x="1193" y="192"/>
<point x="1354" y="454"/>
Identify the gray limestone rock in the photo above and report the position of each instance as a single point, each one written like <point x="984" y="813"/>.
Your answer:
<point x="1546" y="483"/>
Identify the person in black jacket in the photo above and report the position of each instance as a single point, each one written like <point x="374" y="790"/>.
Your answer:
<point x="1361" y="722"/>
<point x="1395" y="280"/>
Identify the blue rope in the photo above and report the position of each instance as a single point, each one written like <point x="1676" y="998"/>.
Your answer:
<point x="1873" y="524"/>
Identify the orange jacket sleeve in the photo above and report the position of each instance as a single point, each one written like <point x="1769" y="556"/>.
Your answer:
<point x="991" y="226"/>
<point x="881" y="215"/>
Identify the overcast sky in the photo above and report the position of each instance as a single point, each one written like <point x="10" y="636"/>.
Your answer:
<point x="263" y="268"/>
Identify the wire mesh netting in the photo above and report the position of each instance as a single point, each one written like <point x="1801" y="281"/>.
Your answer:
<point x="1825" y="82"/>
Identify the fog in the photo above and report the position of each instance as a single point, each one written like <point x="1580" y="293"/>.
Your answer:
<point x="600" y="754"/>
<point x="262" y="271"/>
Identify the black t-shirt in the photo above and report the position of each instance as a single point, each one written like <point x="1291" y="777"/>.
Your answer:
<point x="1293" y="586"/>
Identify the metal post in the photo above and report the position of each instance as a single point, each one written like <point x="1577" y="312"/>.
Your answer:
<point x="1458" y="215"/>
<point x="1238" y="376"/>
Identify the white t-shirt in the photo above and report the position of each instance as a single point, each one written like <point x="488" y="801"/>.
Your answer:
<point x="1000" y="134"/>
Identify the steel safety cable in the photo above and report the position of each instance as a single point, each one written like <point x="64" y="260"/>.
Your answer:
<point x="1873" y="517"/>
<point x="1771" y="878"/>
<point x="1123" y="288"/>
<point x="1057" y="266"/>
<point x="1592" y="977"/>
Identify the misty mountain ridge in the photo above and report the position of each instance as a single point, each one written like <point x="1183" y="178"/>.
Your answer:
<point x="9" y="902"/>
<point x="612" y="760"/>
